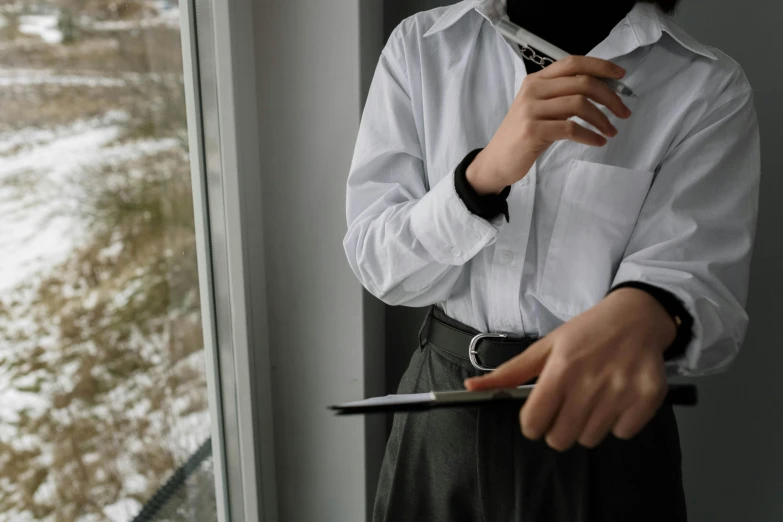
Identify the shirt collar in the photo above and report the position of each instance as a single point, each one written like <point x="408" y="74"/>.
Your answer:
<point x="452" y="15"/>
<point x="649" y="22"/>
<point x="644" y="25"/>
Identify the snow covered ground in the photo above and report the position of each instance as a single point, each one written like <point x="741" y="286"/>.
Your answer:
<point x="39" y="228"/>
<point x="30" y="77"/>
<point x="37" y="215"/>
<point x="44" y="26"/>
<point x="41" y="173"/>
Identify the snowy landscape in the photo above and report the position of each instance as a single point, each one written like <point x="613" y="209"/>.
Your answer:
<point x="102" y="386"/>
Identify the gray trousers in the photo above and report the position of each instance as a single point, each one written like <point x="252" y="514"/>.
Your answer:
<point x="473" y="464"/>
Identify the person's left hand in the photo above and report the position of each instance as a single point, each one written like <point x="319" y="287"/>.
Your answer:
<point x="601" y="371"/>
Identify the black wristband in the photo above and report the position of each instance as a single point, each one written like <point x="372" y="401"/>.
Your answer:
<point x="674" y="307"/>
<point x="488" y="206"/>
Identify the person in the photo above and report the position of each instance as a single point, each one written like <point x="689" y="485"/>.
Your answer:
<point x="589" y="242"/>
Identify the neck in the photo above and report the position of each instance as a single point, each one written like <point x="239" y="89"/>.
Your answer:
<point x="576" y="26"/>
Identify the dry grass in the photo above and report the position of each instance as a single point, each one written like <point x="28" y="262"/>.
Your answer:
<point x="156" y="107"/>
<point x="148" y="62"/>
<point x="152" y="217"/>
<point x="153" y="49"/>
<point x="48" y="107"/>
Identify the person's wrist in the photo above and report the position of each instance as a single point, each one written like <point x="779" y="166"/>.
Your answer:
<point x="676" y="310"/>
<point x="480" y="178"/>
<point x="647" y="313"/>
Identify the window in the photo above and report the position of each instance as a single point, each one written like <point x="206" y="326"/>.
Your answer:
<point x="103" y="395"/>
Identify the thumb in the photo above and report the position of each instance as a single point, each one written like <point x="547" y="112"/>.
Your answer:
<point x="515" y="372"/>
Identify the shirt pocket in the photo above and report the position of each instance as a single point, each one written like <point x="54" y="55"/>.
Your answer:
<point x="597" y="213"/>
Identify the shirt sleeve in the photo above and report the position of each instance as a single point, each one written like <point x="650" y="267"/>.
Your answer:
<point x="696" y="231"/>
<point x="407" y="244"/>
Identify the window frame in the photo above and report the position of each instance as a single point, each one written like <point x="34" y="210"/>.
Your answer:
<point x="217" y="42"/>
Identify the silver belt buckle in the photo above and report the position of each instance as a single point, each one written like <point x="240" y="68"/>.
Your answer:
<point x="473" y="350"/>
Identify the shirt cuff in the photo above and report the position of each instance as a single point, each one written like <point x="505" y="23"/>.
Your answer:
<point x="450" y="232"/>
<point x="486" y="206"/>
<point x="676" y="310"/>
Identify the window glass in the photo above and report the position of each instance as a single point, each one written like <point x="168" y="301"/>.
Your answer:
<point x="103" y="396"/>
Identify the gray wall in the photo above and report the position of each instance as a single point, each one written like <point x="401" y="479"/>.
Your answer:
<point x="733" y="442"/>
<point x="371" y="39"/>
<point x="310" y="76"/>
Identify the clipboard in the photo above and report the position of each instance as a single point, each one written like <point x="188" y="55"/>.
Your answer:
<point x="678" y="395"/>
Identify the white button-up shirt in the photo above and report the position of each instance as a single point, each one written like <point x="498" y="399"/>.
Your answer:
<point x="670" y="201"/>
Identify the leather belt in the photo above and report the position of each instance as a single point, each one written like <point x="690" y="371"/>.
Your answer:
<point x="485" y="351"/>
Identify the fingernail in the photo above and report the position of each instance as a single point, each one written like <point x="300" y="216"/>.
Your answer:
<point x="619" y="71"/>
<point x="552" y="443"/>
<point x="527" y="431"/>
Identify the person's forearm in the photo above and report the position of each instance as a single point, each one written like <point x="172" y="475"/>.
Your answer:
<point x="479" y="179"/>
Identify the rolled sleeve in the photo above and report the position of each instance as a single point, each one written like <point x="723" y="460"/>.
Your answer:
<point x="696" y="231"/>
<point x="449" y="231"/>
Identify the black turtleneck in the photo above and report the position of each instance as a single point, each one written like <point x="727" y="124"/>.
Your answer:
<point x="575" y="26"/>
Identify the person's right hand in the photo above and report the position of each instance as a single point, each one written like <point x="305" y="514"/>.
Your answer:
<point x="540" y="114"/>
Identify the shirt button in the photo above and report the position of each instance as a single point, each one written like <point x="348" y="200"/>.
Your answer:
<point x="508" y="256"/>
<point x="506" y="324"/>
